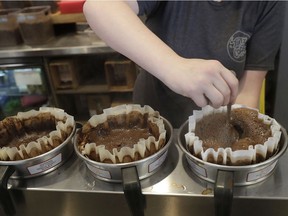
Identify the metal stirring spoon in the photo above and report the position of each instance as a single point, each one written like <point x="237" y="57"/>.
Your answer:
<point x="229" y="105"/>
<point x="229" y="113"/>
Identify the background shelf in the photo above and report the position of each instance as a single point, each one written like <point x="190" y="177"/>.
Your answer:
<point x="58" y="18"/>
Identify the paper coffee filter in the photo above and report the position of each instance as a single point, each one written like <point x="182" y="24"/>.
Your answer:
<point x="120" y="110"/>
<point x="64" y="126"/>
<point x="138" y="148"/>
<point x="223" y="155"/>
<point x="10" y="152"/>
<point x="124" y="151"/>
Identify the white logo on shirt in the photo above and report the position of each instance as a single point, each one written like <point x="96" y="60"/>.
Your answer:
<point x="236" y="46"/>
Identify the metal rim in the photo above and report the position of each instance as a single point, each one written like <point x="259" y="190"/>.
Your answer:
<point x="39" y="157"/>
<point x="134" y="163"/>
<point x="232" y="168"/>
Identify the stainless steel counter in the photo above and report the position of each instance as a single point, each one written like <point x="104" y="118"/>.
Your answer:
<point x="68" y="44"/>
<point x="174" y="190"/>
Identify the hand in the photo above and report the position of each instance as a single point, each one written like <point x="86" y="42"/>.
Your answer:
<point x="204" y="81"/>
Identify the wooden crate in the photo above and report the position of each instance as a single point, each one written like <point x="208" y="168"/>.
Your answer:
<point x="121" y="73"/>
<point x="64" y="74"/>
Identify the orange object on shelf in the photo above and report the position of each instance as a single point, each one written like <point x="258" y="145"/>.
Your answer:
<point x="71" y="6"/>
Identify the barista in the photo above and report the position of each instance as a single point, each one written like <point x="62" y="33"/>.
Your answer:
<point x="188" y="49"/>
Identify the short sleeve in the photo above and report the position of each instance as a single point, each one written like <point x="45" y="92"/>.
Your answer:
<point x="147" y="7"/>
<point x="267" y="36"/>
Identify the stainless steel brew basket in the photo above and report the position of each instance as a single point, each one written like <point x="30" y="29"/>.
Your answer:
<point x="145" y="167"/>
<point x="243" y="175"/>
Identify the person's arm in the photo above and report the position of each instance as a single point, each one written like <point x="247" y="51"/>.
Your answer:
<point x="250" y="88"/>
<point x="204" y="81"/>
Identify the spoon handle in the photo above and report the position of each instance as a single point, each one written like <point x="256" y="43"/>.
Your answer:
<point x="229" y="112"/>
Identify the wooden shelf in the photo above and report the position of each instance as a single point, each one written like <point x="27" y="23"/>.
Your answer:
<point x="85" y="89"/>
<point x="120" y="89"/>
<point x="58" y="18"/>
<point x="96" y="88"/>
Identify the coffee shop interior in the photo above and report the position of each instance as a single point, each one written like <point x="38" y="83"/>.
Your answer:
<point x="50" y="57"/>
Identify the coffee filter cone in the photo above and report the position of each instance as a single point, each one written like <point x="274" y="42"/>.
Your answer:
<point x="226" y="156"/>
<point x="125" y="114"/>
<point x="64" y="126"/>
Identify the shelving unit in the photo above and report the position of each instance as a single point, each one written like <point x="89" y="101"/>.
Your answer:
<point x="97" y="91"/>
<point x="87" y="57"/>
<point x="96" y="88"/>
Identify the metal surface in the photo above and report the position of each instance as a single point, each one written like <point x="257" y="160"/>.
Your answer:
<point x="145" y="167"/>
<point x="173" y="190"/>
<point x="43" y="163"/>
<point x="243" y="175"/>
<point x="68" y="44"/>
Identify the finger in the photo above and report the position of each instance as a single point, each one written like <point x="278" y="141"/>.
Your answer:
<point x="215" y="97"/>
<point x="221" y="92"/>
<point x="232" y="82"/>
<point x="201" y="100"/>
<point x="233" y="97"/>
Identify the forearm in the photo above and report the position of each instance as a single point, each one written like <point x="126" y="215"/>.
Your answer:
<point x="204" y="81"/>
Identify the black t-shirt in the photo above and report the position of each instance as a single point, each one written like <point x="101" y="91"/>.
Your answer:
<point x="240" y="34"/>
